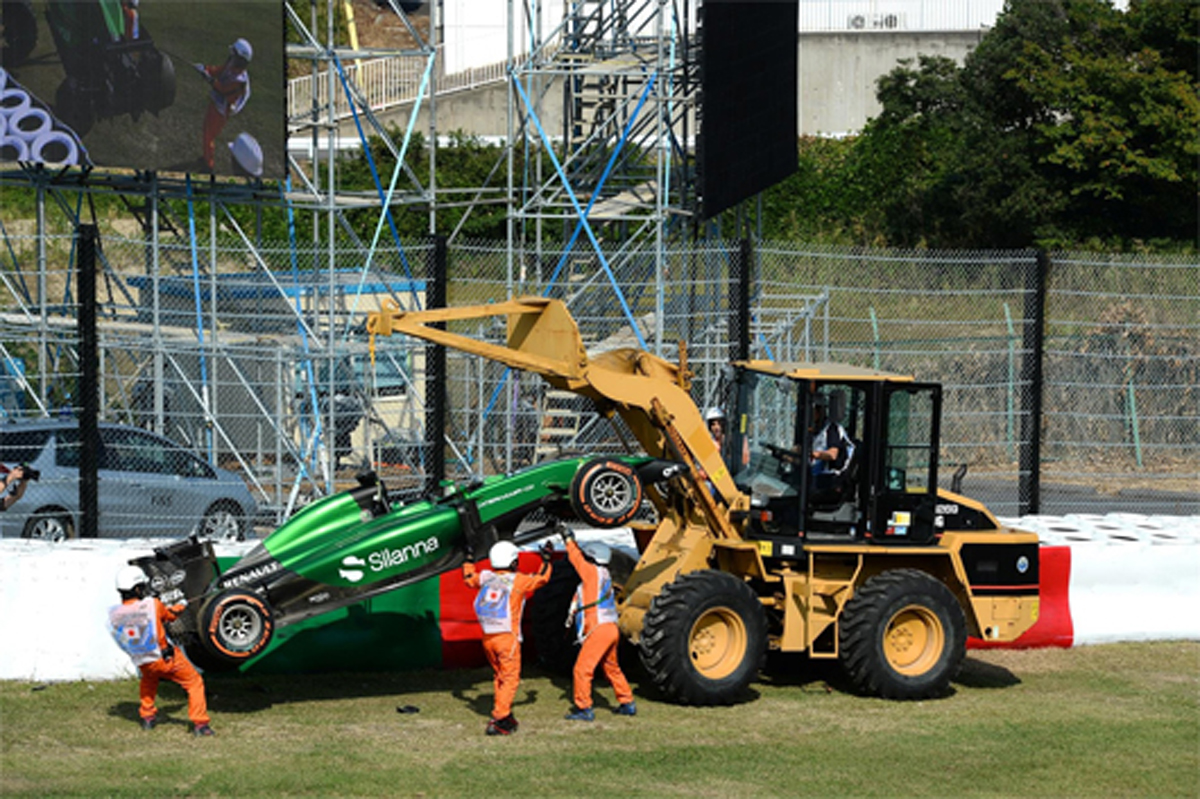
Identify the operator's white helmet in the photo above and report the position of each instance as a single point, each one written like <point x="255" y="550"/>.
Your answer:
<point x="242" y="49"/>
<point x="503" y="555"/>
<point x="130" y="577"/>
<point x="714" y="413"/>
<point x="599" y="553"/>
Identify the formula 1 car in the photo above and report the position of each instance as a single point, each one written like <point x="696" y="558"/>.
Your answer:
<point x="111" y="68"/>
<point x="357" y="544"/>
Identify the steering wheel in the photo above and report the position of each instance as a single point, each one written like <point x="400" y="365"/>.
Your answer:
<point x="780" y="453"/>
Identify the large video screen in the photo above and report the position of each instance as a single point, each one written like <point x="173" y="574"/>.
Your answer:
<point x="748" y="80"/>
<point x="166" y="85"/>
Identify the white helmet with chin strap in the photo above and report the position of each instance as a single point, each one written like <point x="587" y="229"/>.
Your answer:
<point x="130" y="577"/>
<point x="503" y="555"/>
<point x="598" y="553"/>
<point x="242" y="49"/>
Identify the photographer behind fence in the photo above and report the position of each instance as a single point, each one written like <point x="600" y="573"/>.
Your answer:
<point x="19" y="475"/>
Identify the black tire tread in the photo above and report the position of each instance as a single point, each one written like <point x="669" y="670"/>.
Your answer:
<point x="861" y="630"/>
<point x="668" y="622"/>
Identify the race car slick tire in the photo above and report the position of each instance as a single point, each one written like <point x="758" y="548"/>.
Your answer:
<point x="605" y="493"/>
<point x="704" y="638"/>
<point x="236" y="625"/>
<point x="903" y="636"/>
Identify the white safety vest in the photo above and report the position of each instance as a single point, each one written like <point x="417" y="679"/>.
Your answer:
<point x="606" y="604"/>
<point x="492" y="604"/>
<point x="135" y="629"/>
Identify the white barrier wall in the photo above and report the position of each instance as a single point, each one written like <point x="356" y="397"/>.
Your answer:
<point x="54" y="601"/>
<point x="1132" y="578"/>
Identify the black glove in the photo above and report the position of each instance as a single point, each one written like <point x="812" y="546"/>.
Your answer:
<point x="470" y="553"/>
<point x="546" y="551"/>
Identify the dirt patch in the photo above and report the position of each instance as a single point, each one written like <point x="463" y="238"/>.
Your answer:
<point x="380" y="26"/>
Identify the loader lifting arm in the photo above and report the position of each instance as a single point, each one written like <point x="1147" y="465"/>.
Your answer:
<point x="649" y="393"/>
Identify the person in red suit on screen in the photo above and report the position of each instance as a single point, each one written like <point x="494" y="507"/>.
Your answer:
<point x="229" y="89"/>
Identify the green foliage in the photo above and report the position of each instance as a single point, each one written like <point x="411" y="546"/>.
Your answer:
<point x="1071" y="124"/>
<point x="467" y="163"/>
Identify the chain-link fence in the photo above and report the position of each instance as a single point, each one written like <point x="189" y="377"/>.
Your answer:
<point x="254" y="357"/>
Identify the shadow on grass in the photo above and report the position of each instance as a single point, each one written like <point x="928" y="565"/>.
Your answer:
<point x="796" y="670"/>
<point x="978" y="674"/>
<point x="172" y="708"/>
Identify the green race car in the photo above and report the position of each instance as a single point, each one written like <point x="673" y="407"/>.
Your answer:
<point x="358" y="543"/>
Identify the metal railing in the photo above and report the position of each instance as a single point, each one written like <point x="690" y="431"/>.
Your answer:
<point x="385" y="83"/>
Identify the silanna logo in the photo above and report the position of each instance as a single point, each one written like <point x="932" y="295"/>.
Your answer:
<point x="352" y="575"/>
<point x="387" y="558"/>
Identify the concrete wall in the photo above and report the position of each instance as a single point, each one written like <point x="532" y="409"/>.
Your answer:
<point x="838" y="71"/>
<point x="836" y="84"/>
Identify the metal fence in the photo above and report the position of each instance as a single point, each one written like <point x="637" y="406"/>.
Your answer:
<point x="255" y="358"/>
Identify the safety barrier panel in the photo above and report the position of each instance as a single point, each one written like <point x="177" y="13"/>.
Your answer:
<point x="1104" y="579"/>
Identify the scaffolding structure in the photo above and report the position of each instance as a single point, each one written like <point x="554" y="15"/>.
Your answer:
<point x="594" y="207"/>
<point x="621" y="169"/>
<point x="156" y="359"/>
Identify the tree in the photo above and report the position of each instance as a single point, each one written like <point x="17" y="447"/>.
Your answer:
<point x="1071" y="122"/>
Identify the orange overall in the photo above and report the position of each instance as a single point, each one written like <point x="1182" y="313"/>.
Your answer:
<point x="177" y="669"/>
<point x="600" y="639"/>
<point x="230" y="88"/>
<point x="503" y="649"/>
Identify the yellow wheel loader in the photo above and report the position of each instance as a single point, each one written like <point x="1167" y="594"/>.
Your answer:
<point x="757" y="546"/>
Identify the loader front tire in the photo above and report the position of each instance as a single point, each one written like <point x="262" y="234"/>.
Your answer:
<point x="903" y="636"/>
<point x="704" y="638"/>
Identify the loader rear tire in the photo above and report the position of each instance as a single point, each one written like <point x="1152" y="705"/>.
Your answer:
<point x="704" y="638"/>
<point x="903" y="636"/>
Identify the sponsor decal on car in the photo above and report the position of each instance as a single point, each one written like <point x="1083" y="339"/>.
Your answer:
<point x="254" y="575"/>
<point x="388" y="558"/>
<point x="352" y="575"/>
<point x="514" y="493"/>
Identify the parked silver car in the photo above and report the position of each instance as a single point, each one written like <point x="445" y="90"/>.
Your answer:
<point x="148" y="485"/>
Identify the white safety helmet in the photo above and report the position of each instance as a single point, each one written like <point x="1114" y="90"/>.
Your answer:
<point x="599" y="553"/>
<point x="714" y="413"/>
<point x="242" y="49"/>
<point x="130" y="577"/>
<point x="503" y="555"/>
<point x="247" y="154"/>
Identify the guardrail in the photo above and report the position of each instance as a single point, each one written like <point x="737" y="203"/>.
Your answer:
<point x="384" y="83"/>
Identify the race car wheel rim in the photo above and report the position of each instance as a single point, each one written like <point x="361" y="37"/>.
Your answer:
<point x="611" y="493"/>
<point x="240" y="627"/>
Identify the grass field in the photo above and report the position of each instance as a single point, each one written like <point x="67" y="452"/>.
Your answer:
<point x="1098" y="721"/>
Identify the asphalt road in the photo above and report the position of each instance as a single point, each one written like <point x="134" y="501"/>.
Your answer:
<point x="1059" y="499"/>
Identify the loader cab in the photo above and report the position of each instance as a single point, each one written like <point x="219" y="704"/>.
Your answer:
<point x="880" y="485"/>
